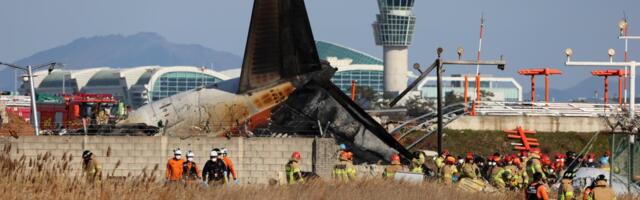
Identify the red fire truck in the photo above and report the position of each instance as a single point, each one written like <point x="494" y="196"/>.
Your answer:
<point x="74" y="112"/>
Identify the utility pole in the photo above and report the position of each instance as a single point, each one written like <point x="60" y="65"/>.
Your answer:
<point x="29" y="70"/>
<point x="632" y="99"/>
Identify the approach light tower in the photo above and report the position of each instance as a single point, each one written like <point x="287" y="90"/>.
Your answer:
<point x="393" y="31"/>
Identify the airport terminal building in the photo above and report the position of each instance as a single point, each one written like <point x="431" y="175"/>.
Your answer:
<point x="366" y="70"/>
<point x="134" y="86"/>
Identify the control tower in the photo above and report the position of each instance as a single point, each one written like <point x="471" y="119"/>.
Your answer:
<point x="393" y="30"/>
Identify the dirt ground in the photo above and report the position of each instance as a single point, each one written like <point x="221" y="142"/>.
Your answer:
<point x="16" y="127"/>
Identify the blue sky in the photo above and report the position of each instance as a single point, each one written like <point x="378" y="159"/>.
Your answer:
<point x="527" y="33"/>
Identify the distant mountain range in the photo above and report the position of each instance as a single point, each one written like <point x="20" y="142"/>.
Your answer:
<point x="126" y="51"/>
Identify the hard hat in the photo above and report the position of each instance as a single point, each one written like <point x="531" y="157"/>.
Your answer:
<point x="601" y="177"/>
<point x="451" y="160"/>
<point x="395" y="157"/>
<point x="86" y="154"/>
<point x="177" y="152"/>
<point x="296" y="155"/>
<point x="496" y="158"/>
<point x="344" y="155"/>
<point x="343" y="146"/>
<point x="224" y="151"/>
<point x="545" y="160"/>
<point x="604" y="160"/>
<point x="445" y="152"/>
<point x="349" y="156"/>
<point x="469" y="156"/>
<point x="190" y="154"/>
<point x="213" y="154"/>
<point x="517" y="161"/>
<point x="508" y="158"/>
<point x="217" y="150"/>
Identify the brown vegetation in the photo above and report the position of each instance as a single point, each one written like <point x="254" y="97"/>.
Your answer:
<point x="49" y="177"/>
<point x="16" y="126"/>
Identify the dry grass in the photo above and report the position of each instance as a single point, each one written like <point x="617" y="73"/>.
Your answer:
<point x="48" y="177"/>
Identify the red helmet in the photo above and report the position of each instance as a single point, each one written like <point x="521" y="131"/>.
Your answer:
<point x="469" y="156"/>
<point x="296" y="155"/>
<point x="508" y="158"/>
<point x="496" y="158"/>
<point x="395" y="157"/>
<point x="517" y="161"/>
<point x="545" y="160"/>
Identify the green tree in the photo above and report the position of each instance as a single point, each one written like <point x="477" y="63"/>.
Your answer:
<point x="452" y="98"/>
<point x="366" y="96"/>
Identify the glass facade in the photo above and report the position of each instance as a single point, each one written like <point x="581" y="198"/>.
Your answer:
<point x="326" y="50"/>
<point x="395" y="24"/>
<point x="364" y="78"/>
<point x="175" y="82"/>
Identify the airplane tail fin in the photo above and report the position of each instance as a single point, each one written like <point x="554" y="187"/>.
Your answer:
<point x="280" y="44"/>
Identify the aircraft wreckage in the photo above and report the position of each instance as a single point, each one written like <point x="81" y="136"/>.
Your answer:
<point x="282" y="81"/>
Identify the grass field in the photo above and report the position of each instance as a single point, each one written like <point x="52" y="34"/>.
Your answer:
<point x="459" y="142"/>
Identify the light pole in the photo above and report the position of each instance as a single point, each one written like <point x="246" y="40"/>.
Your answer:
<point x="632" y="93"/>
<point x="29" y="70"/>
<point x="438" y="65"/>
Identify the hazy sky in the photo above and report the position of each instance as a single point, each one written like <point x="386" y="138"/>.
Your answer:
<point x="531" y="33"/>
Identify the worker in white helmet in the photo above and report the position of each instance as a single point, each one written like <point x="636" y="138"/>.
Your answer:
<point x="174" y="166"/>
<point x="229" y="164"/>
<point x="190" y="171"/>
<point x="214" y="170"/>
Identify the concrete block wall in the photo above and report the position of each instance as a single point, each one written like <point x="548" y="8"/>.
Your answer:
<point x="257" y="160"/>
<point x="537" y="123"/>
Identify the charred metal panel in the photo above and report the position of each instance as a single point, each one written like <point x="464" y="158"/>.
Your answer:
<point x="313" y="102"/>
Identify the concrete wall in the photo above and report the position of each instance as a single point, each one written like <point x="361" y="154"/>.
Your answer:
<point x="537" y="123"/>
<point x="256" y="159"/>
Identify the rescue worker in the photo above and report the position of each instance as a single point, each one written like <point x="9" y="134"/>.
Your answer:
<point x="515" y="179"/>
<point x="499" y="176"/>
<point x="91" y="167"/>
<point x="521" y="175"/>
<point x="229" y="164"/>
<point x="571" y="160"/>
<point x="449" y="170"/>
<point x="590" y="160"/>
<point x="548" y="170"/>
<point x="602" y="191"/>
<point x="214" y="170"/>
<point x="534" y="165"/>
<point x="344" y="171"/>
<point x="343" y="148"/>
<point x="190" y="171"/>
<point x="439" y="161"/>
<point x="537" y="189"/>
<point x="469" y="168"/>
<point x="604" y="163"/>
<point x="174" y="167"/>
<point x="292" y="169"/>
<point x="565" y="191"/>
<point x="395" y="166"/>
<point x="558" y="165"/>
<point x="417" y="163"/>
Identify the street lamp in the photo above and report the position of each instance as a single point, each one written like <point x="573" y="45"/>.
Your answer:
<point x="632" y="98"/>
<point x="438" y="64"/>
<point x="29" y="70"/>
